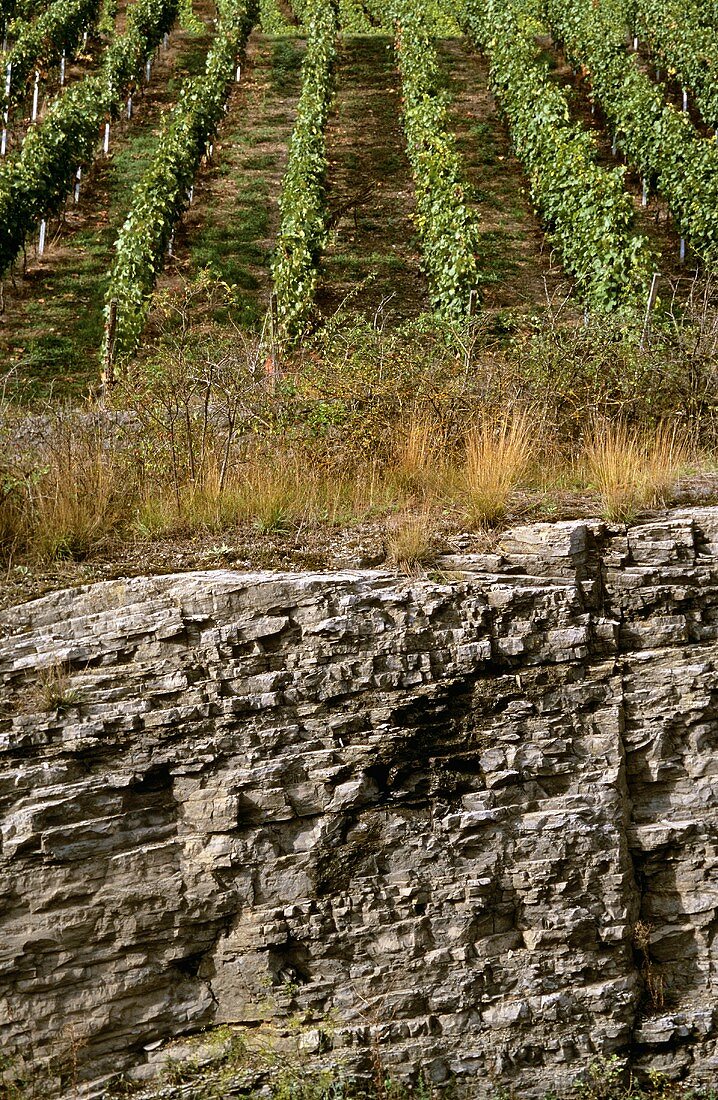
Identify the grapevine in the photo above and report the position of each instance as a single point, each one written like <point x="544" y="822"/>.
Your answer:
<point x="687" y="49"/>
<point x="586" y="209"/>
<point x="33" y="185"/>
<point x="162" y="193"/>
<point x="447" y="227"/>
<point x="303" y="229"/>
<point x="659" y="140"/>
<point x="42" y="42"/>
<point x="271" y="19"/>
<point x="708" y="12"/>
<point x="353" y="18"/>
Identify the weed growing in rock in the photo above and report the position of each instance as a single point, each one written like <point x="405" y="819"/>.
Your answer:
<point x="56" y="689"/>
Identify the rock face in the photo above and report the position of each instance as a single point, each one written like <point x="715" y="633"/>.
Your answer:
<point x="466" y="822"/>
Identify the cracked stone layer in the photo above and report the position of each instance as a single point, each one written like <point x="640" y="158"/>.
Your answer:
<point x="466" y="822"/>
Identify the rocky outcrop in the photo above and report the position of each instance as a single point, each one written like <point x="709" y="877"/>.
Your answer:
<point x="466" y="822"/>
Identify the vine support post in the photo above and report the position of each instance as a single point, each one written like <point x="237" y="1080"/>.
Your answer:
<point x="652" y="295"/>
<point x="272" y="362"/>
<point x="62" y="69"/>
<point x="35" y="95"/>
<point x="108" y="365"/>
<point x="471" y="310"/>
<point x="6" y="112"/>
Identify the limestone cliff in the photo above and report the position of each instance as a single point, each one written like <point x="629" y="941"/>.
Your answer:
<point x="466" y="822"/>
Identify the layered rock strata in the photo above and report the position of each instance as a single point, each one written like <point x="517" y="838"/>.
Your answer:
<point x="465" y="822"/>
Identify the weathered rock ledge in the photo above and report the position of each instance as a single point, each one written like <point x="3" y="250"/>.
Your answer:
<point x="435" y="818"/>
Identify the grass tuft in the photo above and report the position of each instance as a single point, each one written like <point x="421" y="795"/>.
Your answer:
<point x="633" y="470"/>
<point x="499" y="451"/>
<point x="410" y="541"/>
<point x="418" y="451"/>
<point x="70" y="500"/>
<point x="56" y="690"/>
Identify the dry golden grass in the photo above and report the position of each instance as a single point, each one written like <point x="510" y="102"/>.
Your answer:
<point x="275" y="491"/>
<point x="71" y="504"/>
<point x="499" y="451"/>
<point x="84" y="490"/>
<point x="419" y="458"/>
<point x="410" y="540"/>
<point x="632" y="470"/>
<point x="272" y="492"/>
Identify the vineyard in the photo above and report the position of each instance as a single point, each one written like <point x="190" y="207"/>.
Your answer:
<point x="531" y="148"/>
<point x="328" y="238"/>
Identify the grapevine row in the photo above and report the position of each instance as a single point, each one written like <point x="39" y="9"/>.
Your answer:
<point x="659" y="140"/>
<point x="685" y="47"/>
<point x="162" y="194"/>
<point x="303" y="229"/>
<point x="271" y="19"/>
<point x="708" y="12"/>
<point x="33" y="185"/>
<point x="18" y="9"/>
<point x="447" y="226"/>
<point x="40" y="43"/>
<point x="353" y="18"/>
<point x="586" y="208"/>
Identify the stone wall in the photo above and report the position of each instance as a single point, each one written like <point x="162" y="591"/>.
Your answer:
<point x="466" y="822"/>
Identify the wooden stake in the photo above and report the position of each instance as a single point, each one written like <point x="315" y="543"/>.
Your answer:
<point x="652" y="295"/>
<point x="108" y="367"/>
<point x="272" y="362"/>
